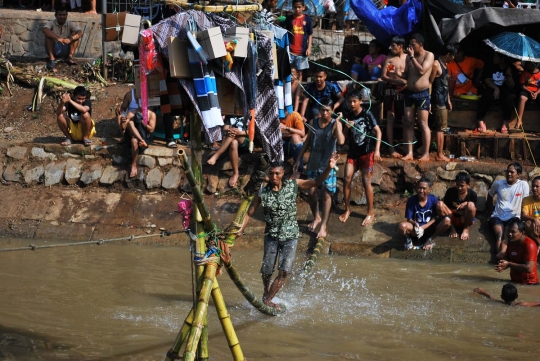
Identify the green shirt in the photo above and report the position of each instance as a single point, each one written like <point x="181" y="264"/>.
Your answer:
<point x="280" y="210"/>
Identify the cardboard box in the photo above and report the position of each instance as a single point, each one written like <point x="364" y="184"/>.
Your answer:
<point x="211" y="41"/>
<point x="270" y="34"/>
<point x="152" y="80"/>
<point x="242" y="35"/>
<point x="229" y="97"/>
<point x="178" y="58"/>
<point x="132" y="26"/>
<point x="114" y="26"/>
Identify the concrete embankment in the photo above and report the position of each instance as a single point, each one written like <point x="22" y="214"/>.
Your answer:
<point x="80" y="193"/>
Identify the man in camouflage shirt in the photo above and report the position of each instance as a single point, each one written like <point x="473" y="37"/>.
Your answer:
<point x="278" y="199"/>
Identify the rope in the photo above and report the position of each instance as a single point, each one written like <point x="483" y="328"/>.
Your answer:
<point x="525" y="135"/>
<point x="33" y="247"/>
<point x="342" y="119"/>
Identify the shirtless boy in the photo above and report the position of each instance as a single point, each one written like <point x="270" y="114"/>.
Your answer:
<point x="417" y="70"/>
<point x="392" y="73"/>
<point x="509" y="294"/>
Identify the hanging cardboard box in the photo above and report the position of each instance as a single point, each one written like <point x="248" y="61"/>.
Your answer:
<point x="178" y="58"/>
<point x="114" y="26"/>
<point x="228" y="97"/>
<point x="132" y="26"/>
<point x="242" y="36"/>
<point x="270" y="34"/>
<point x="152" y="81"/>
<point x="211" y="41"/>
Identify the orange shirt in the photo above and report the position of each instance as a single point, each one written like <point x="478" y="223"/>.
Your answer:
<point x="294" y="120"/>
<point x="468" y="65"/>
<point x="531" y="81"/>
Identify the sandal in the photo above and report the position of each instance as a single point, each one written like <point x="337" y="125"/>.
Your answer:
<point x="50" y="64"/>
<point x="504" y="129"/>
<point x="172" y="145"/>
<point x="87" y="142"/>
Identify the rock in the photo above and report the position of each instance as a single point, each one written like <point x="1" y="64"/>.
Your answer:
<point x="18" y="153"/>
<point x="13" y="172"/>
<point x="92" y="174"/>
<point x="164" y="161"/>
<point x="431" y="176"/>
<point x="89" y="157"/>
<point x="213" y="181"/>
<point x="486" y="177"/>
<point x="377" y="173"/>
<point x="481" y="189"/>
<point x="72" y="171"/>
<point x="388" y="184"/>
<point x="159" y="152"/>
<point x="172" y="179"/>
<point x="451" y="166"/>
<point x="153" y="178"/>
<point x="438" y="189"/>
<point x="412" y="175"/>
<point x="448" y="175"/>
<point x="8" y="129"/>
<point x="146" y="161"/>
<point x="54" y="173"/>
<point x="118" y="159"/>
<point x="136" y="181"/>
<point x="33" y="175"/>
<point x="110" y="175"/>
<point x="69" y="155"/>
<point x="41" y="153"/>
<point x="358" y="196"/>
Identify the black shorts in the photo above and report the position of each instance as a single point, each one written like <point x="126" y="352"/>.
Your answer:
<point x="420" y="99"/>
<point x="394" y="102"/>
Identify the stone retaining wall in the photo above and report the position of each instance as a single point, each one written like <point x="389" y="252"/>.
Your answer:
<point x="21" y="34"/>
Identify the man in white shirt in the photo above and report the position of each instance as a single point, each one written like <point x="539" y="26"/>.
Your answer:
<point x="61" y="38"/>
<point x="510" y="193"/>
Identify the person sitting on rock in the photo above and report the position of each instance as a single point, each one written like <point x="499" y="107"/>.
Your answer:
<point x="61" y="38"/>
<point x="509" y="295"/>
<point x="460" y="205"/>
<point x="235" y="140"/>
<point x="421" y="213"/>
<point x="74" y="117"/>
<point x="129" y="105"/>
<point x="137" y="135"/>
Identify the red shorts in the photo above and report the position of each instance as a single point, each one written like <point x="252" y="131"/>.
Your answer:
<point x="457" y="220"/>
<point x="364" y="162"/>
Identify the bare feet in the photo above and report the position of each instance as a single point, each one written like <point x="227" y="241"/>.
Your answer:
<point x="424" y="158"/>
<point x="211" y="161"/>
<point x="481" y="126"/>
<point x="368" y="220"/>
<point x="322" y="232"/>
<point x="343" y="218"/>
<point x="453" y="232"/>
<point x="442" y="157"/>
<point x="409" y="156"/>
<point x="142" y="143"/>
<point x="233" y="180"/>
<point x="465" y="234"/>
<point x="271" y="304"/>
<point x="133" y="172"/>
<point x="396" y="155"/>
<point x="313" y="225"/>
<point x="91" y="12"/>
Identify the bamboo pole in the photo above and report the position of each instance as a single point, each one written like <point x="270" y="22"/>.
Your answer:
<point x="172" y="354"/>
<point x="226" y="323"/>
<point x="200" y="249"/>
<point x="248" y="294"/>
<point x="308" y="266"/>
<point x="200" y="312"/>
<point x="196" y="190"/>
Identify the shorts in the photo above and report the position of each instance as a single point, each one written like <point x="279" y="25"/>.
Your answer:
<point x="440" y="114"/>
<point x="394" y="102"/>
<point x="330" y="183"/>
<point x="363" y="162"/>
<point x="75" y="130"/>
<point x="420" y="99"/>
<point x="144" y="135"/>
<point x="428" y="232"/>
<point x="457" y="220"/>
<point x="60" y="50"/>
<point x="244" y="144"/>
<point x="299" y="62"/>
<point x="287" y="252"/>
<point x="528" y="95"/>
<point x="495" y="221"/>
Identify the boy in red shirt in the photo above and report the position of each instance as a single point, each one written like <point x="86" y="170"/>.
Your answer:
<point x="530" y="88"/>
<point x="300" y="30"/>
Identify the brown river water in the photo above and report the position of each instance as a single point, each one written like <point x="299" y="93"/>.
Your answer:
<point x="113" y="302"/>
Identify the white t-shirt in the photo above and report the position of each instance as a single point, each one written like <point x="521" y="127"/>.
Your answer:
<point x="509" y="198"/>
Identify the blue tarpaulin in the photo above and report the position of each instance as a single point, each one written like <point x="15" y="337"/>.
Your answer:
<point x="386" y="23"/>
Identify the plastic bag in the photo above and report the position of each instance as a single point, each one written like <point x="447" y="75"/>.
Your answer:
<point x="330" y="6"/>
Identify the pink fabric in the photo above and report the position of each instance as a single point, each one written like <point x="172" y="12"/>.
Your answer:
<point x="150" y="61"/>
<point x="185" y="208"/>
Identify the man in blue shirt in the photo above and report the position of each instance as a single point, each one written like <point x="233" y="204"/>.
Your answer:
<point x="318" y="90"/>
<point x="422" y="222"/>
